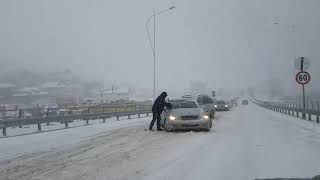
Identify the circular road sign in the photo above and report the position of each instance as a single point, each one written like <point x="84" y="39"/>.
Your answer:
<point x="303" y="77"/>
<point x="302" y="63"/>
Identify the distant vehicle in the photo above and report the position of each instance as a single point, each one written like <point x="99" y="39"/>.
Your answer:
<point x="51" y="112"/>
<point x="186" y="114"/>
<point x="63" y="112"/>
<point x="207" y="104"/>
<point x="245" y="102"/>
<point x="222" y="106"/>
<point x="27" y="115"/>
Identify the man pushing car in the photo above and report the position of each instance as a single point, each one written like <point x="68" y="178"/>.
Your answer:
<point x="157" y="108"/>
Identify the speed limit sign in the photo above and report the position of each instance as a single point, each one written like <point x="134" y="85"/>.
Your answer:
<point x="303" y="77"/>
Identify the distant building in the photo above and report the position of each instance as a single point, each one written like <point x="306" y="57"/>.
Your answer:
<point x="66" y="101"/>
<point x="30" y="96"/>
<point x="115" y="95"/>
<point x="7" y="89"/>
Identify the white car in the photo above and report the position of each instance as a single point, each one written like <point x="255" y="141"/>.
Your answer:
<point x="186" y="114"/>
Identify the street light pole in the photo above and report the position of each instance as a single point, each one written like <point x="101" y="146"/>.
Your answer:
<point x="154" y="55"/>
<point x="153" y="47"/>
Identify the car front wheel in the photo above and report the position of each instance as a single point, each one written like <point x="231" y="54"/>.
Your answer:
<point x="166" y="127"/>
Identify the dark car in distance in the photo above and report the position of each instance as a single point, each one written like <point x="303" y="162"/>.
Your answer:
<point x="222" y="106"/>
<point x="245" y="102"/>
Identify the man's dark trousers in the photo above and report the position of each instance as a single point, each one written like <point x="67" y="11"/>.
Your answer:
<point x="156" y="116"/>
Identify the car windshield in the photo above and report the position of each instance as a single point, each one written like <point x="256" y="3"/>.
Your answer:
<point x="220" y="102"/>
<point x="184" y="104"/>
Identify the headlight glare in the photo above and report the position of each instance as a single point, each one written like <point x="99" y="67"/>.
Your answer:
<point x="215" y="106"/>
<point x="206" y="116"/>
<point x="172" y="117"/>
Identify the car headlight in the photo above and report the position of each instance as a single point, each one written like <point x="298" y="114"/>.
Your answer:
<point x="226" y="105"/>
<point x="172" y="117"/>
<point x="215" y="106"/>
<point x="206" y="116"/>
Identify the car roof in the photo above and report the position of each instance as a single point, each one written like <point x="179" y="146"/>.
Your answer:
<point x="188" y="96"/>
<point x="221" y="101"/>
<point x="203" y="95"/>
<point x="182" y="99"/>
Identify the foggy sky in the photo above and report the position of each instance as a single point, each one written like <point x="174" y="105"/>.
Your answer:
<point x="230" y="44"/>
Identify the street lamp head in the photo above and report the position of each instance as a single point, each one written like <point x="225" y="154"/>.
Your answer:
<point x="275" y="23"/>
<point x="172" y="7"/>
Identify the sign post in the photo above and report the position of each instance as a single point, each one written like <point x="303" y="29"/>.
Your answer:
<point x="303" y="78"/>
<point x="213" y="94"/>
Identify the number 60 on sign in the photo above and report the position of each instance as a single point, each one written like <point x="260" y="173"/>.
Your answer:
<point x="303" y="77"/>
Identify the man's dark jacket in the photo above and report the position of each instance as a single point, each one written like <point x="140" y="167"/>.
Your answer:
<point x="159" y="103"/>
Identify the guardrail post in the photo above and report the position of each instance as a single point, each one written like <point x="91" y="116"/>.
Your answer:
<point x="309" y="117"/>
<point x="39" y="127"/>
<point x="66" y="125"/>
<point x="4" y="131"/>
<point x="317" y="119"/>
<point x="104" y="120"/>
<point x="87" y="121"/>
<point x="138" y="115"/>
<point x="147" y="114"/>
<point x="129" y="116"/>
<point x="20" y="116"/>
<point x="297" y="113"/>
<point x="48" y="110"/>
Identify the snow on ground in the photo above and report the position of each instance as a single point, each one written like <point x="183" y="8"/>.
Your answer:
<point x="55" y="135"/>
<point x="31" y="129"/>
<point x="248" y="142"/>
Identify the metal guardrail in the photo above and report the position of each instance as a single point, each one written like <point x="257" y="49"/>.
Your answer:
<point x="290" y="108"/>
<point x="69" y="115"/>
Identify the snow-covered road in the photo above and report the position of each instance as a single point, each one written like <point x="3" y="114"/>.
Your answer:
<point x="246" y="143"/>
